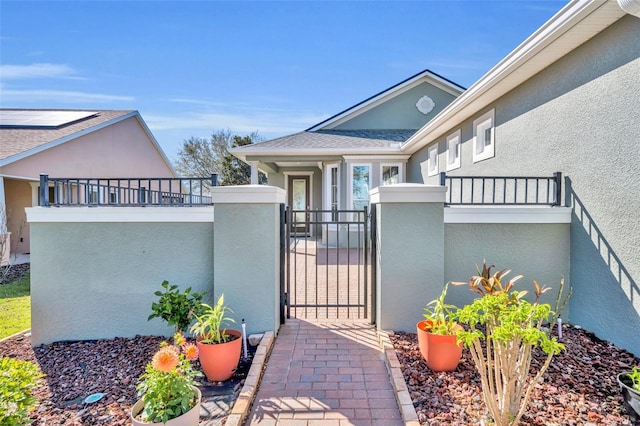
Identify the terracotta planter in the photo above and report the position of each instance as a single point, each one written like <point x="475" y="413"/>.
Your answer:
<point x="190" y="418"/>
<point x="221" y="359"/>
<point x="441" y="353"/>
<point x="630" y="396"/>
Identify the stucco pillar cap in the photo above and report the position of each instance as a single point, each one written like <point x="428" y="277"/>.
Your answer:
<point x="248" y="194"/>
<point x="408" y="193"/>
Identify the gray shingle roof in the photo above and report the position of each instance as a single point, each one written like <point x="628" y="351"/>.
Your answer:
<point x="332" y="139"/>
<point x="14" y="141"/>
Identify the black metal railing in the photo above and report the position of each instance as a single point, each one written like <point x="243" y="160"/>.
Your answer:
<point x="125" y="192"/>
<point x="503" y="190"/>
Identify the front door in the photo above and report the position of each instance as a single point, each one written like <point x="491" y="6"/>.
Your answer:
<point x="299" y="201"/>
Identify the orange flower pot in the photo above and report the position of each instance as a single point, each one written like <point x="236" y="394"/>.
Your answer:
<point x="219" y="360"/>
<point x="440" y="352"/>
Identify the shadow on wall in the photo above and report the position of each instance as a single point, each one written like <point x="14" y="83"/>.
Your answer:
<point x="604" y="290"/>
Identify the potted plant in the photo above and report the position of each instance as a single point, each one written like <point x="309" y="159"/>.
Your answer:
<point x="503" y="330"/>
<point x="630" y="387"/>
<point x="167" y="391"/>
<point x="219" y="348"/>
<point x="177" y="308"/>
<point x="437" y="335"/>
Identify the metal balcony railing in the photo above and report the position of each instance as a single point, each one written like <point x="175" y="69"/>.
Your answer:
<point x="125" y="192"/>
<point x="503" y="190"/>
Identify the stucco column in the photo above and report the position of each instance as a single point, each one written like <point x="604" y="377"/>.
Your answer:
<point x="254" y="173"/>
<point x="246" y="246"/>
<point x="410" y="255"/>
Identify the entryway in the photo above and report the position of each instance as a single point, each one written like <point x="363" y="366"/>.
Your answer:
<point x="327" y="269"/>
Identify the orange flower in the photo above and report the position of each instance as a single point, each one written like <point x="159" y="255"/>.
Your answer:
<point x="166" y="359"/>
<point x="191" y="351"/>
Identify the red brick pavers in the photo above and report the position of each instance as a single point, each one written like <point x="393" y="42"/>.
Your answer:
<point x="325" y="374"/>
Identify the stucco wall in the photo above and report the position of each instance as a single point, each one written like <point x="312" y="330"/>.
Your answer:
<point x="580" y="116"/>
<point x="120" y="150"/>
<point x="96" y="280"/>
<point x="401" y="112"/>
<point x="538" y="251"/>
<point x="18" y="196"/>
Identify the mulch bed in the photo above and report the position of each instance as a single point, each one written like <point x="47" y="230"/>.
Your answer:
<point x="579" y="388"/>
<point x="76" y="370"/>
<point x="15" y="272"/>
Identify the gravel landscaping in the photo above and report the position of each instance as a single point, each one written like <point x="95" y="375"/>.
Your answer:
<point x="579" y="388"/>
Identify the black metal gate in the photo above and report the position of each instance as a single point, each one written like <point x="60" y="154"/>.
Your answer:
<point x="326" y="264"/>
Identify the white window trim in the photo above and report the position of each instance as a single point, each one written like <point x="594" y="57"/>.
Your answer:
<point x="453" y="139"/>
<point x="326" y="203"/>
<point x="481" y="151"/>
<point x="432" y="171"/>
<point x="400" y="167"/>
<point x="350" y="182"/>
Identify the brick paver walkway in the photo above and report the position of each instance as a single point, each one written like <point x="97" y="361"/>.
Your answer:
<point x="329" y="374"/>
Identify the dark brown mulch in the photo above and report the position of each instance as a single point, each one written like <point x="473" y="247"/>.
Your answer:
<point x="76" y="370"/>
<point x="14" y="272"/>
<point x="579" y="388"/>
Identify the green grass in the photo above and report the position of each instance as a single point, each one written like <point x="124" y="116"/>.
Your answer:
<point x="15" y="306"/>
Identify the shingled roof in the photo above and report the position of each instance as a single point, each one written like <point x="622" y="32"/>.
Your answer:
<point x="17" y="140"/>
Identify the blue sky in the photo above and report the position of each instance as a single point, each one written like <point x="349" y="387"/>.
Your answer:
<point x="192" y="68"/>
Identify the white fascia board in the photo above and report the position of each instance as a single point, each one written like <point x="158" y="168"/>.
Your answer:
<point x="352" y="158"/>
<point x="301" y="153"/>
<point x="60" y="141"/>
<point x="529" y="214"/>
<point x="510" y="72"/>
<point x="119" y="214"/>
<point x="35" y="179"/>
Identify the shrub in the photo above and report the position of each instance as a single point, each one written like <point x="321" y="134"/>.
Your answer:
<point x="17" y="380"/>
<point x="510" y="327"/>
<point x="176" y="308"/>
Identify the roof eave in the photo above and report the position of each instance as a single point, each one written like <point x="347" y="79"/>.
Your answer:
<point x="501" y="78"/>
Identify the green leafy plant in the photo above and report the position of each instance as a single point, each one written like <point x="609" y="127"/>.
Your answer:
<point x="167" y="385"/>
<point x="177" y="308"/>
<point x="208" y="326"/>
<point x="510" y="327"/>
<point x="18" y="378"/>
<point x="634" y="376"/>
<point x="439" y="315"/>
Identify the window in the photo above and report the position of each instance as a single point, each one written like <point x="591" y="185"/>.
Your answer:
<point x="92" y="194"/>
<point x="483" y="136"/>
<point x="432" y="162"/>
<point x="453" y="151"/>
<point x="332" y="190"/>
<point x="360" y="182"/>
<point x="390" y="173"/>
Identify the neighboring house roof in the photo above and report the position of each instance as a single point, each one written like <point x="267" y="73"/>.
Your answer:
<point x="361" y="107"/>
<point x="21" y="141"/>
<point x="572" y="26"/>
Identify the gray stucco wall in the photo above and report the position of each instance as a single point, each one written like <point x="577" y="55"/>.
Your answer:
<point x="246" y="261"/>
<point x="410" y="262"/>
<point x="580" y="116"/>
<point x="96" y="280"/>
<point x="538" y="251"/>
<point x="401" y="112"/>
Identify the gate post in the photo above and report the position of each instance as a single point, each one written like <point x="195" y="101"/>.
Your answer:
<point x="410" y="252"/>
<point x="246" y="246"/>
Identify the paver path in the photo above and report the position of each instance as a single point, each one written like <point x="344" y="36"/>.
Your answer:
<point x="325" y="374"/>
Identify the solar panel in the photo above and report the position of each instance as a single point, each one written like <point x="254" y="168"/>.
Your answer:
<point x="42" y="119"/>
